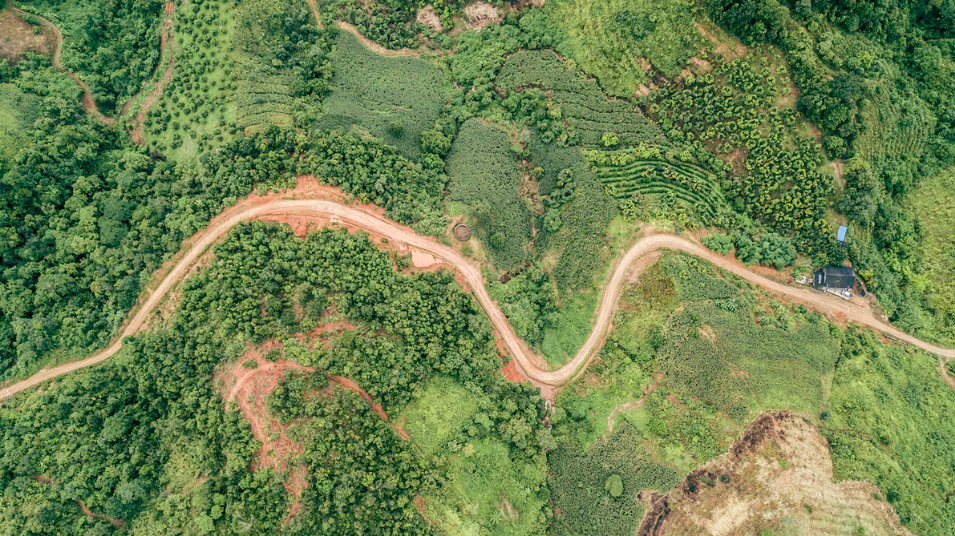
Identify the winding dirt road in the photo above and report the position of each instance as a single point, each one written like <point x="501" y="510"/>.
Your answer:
<point x="471" y="274"/>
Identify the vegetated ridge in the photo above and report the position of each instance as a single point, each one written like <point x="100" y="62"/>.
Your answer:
<point x="471" y="274"/>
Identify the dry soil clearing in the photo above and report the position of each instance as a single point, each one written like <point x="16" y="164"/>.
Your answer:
<point x="779" y="474"/>
<point x="17" y="37"/>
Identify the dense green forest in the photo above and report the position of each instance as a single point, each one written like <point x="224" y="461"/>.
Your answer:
<point x="557" y="133"/>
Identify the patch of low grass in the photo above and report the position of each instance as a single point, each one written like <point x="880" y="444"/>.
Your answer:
<point x="568" y="327"/>
<point x="933" y="205"/>
<point x="439" y="413"/>
<point x="610" y="39"/>
<point x="490" y="493"/>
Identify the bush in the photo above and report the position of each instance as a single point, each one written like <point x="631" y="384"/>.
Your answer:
<point x="719" y="243"/>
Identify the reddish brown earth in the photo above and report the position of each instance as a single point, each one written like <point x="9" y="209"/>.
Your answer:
<point x="82" y="505"/>
<point x="166" y="40"/>
<point x="17" y="37"/>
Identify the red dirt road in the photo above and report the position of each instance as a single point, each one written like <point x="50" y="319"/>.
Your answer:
<point x="375" y="223"/>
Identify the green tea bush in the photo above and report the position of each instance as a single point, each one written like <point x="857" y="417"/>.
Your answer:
<point x="376" y="92"/>
<point x="770" y="249"/>
<point x="596" y="492"/>
<point x="586" y="109"/>
<point x="485" y="175"/>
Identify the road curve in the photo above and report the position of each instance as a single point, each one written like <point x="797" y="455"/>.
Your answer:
<point x="471" y="274"/>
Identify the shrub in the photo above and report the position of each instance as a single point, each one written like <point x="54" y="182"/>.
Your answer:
<point x="719" y="243"/>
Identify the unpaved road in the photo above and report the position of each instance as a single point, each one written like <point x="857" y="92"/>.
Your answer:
<point x="375" y="223"/>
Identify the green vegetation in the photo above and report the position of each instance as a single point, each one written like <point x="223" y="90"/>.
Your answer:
<point x="18" y="111"/>
<point x="596" y="492"/>
<point x="395" y="99"/>
<point x="163" y="411"/>
<point x="776" y="178"/>
<point x="577" y="100"/>
<point x="197" y="109"/>
<point x="283" y="69"/>
<point x="113" y="45"/>
<point x="875" y="77"/>
<point x="485" y="175"/>
<point x="932" y="205"/>
<point x="887" y="421"/>
<point x="629" y="176"/>
<point x="613" y="40"/>
<point x="390" y="23"/>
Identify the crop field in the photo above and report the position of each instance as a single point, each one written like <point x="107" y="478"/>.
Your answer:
<point x="393" y="98"/>
<point x="586" y="108"/>
<point x="626" y="174"/>
<point x="618" y="40"/>
<point x="484" y="175"/>
<point x="197" y="107"/>
<point x="596" y="491"/>
<point x="737" y="110"/>
<point x="885" y="136"/>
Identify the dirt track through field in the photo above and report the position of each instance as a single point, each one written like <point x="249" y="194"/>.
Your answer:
<point x="374" y="222"/>
<point x="89" y="104"/>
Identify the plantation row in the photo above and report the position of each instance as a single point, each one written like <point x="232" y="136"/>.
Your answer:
<point x="587" y="110"/>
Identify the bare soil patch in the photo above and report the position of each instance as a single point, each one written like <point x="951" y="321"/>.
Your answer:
<point x="17" y="37"/>
<point x="429" y="18"/>
<point x="780" y="470"/>
<point x="481" y="14"/>
<point x="511" y="373"/>
<point x="730" y="50"/>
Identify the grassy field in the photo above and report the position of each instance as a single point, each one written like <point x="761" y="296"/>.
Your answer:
<point x="485" y="175"/>
<point x="889" y="421"/>
<point x="933" y="205"/>
<point x="610" y="39"/>
<point x="197" y="108"/>
<point x="393" y="98"/>
<point x="438" y="414"/>
<point x="488" y="490"/>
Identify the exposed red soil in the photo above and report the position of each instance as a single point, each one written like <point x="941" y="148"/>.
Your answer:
<point x="250" y="387"/>
<point x="166" y="39"/>
<point x="353" y="387"/>
<point x="512" y="374"/>
<point x="117" y="522"/>
<point x="83" y="507"/>
<point x="17" y="37"/>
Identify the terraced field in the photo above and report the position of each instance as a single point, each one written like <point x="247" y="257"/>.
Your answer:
<point x="685" y="182"/>
<point x="587" y="110"/>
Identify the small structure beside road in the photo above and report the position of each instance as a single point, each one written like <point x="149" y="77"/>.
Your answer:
<point x="838" y="280"/>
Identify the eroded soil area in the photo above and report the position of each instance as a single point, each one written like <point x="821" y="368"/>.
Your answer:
<point x="17" y="37"/>
<point x="779" y="474"/>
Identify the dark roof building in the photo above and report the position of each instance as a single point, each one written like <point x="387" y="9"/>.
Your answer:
<point x="835" y="277"/>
